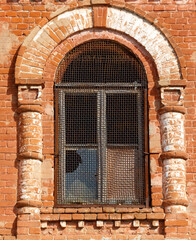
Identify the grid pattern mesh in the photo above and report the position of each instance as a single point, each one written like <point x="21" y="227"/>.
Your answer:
<point x="100" y="94"/>
<point x="100" y="61"/>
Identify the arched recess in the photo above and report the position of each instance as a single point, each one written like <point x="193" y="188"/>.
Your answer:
<point x="40" y="43"/>
<point x="30" y="68"/>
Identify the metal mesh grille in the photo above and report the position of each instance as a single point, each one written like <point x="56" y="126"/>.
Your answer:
<point x="81" y="118"/>
<point x="100" y="62"/>
<point x="121" y="169"/>
<point x="122" y="118"/>
<point x="100" y="99"/>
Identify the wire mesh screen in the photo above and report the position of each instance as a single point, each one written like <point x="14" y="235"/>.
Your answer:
<point x="122" y="118"/>
<point x="100" y="61"/>
<point x="122" y="173"/>
<point x="81" y="118"/>
<point x="81" y="148"/>
<point x="100" y="87"/>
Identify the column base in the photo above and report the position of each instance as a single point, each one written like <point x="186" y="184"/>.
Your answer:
<point x="28" y="224"/>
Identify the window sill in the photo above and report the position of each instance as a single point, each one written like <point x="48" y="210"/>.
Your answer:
<point x="101" y="213"/>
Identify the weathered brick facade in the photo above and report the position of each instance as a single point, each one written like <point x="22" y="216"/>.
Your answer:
<point x="34" y="38"/>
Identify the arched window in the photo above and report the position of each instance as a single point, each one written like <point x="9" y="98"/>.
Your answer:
<point x="101" y="119"/>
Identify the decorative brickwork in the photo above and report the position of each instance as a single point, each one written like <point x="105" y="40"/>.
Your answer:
<point x="38" y="35"/>
<point x="45" y="39"/>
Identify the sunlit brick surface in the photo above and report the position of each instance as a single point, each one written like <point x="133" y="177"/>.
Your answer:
<point x="34" y="38"/>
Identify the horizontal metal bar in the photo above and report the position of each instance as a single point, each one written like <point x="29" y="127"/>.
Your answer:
<point x="95" y="91"/>
<point x="88" y="84"/>
<point x="129" y="91"/>
<point x="122" y="145"/>
<point x="98" y="205"/>
<point x="148" y="153"/>
<point x="80" y="145"/>
<point x="79" y="91"/>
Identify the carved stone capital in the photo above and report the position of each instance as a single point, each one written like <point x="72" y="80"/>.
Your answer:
<point x="172" y="96"/>
<point x="29" y="95"/>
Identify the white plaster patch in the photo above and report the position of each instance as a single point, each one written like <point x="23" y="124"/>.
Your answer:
<point x="157" y="180"/>
<point x="172" y="131"/>
<point x="149" y="36"/>
<point x="38" y="35"/>
<point x="49" y="109"/>
<point x="66" y="15"/>
<point x="193" y="56"/>
<point x="152" y="128"/>
<point x="153" y="165"/>
<point x="177" y="208"/>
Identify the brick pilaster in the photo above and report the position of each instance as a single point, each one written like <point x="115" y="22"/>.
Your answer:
<point x="173" y="157"/>
<point x="30" y="159"/>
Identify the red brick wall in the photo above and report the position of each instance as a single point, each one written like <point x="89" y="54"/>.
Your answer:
<point x="176" y="19"/>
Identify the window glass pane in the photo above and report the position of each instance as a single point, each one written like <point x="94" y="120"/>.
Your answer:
<point x="81" y="119"/>
<point x="122" y="118"/>
<point x="81" y="175"/>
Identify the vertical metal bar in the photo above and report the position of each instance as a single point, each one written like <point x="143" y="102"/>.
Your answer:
<point x="103" y="146"/>
<point x="146" y="146"/>
<point x="56" y="150"/>
<point x="62" y="140"/>
<point x="99" y="173"/>
<point x="140" y="145"/>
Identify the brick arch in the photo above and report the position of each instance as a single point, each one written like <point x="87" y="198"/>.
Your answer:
<point x="38" y="46"/>
<point x="73" y="41"/>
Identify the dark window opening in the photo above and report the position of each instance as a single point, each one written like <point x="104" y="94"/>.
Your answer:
<point x="100" y="95"/>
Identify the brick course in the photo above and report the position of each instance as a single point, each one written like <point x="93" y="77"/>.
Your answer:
<point x="34" y="37"/>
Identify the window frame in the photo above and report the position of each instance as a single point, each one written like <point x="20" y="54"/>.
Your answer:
<point x="59" y="121"/>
